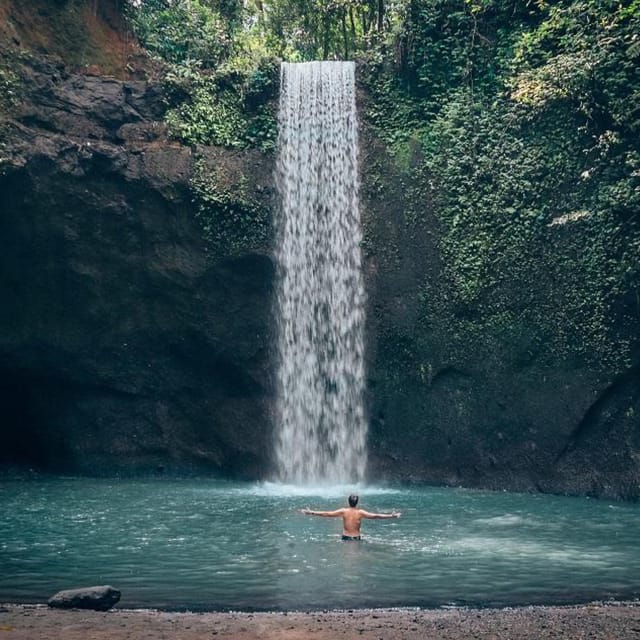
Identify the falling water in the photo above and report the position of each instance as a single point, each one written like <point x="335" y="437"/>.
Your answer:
<point x="321" y="426"/>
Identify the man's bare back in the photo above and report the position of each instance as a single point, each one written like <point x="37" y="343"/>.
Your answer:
<point x="351" y="517"/>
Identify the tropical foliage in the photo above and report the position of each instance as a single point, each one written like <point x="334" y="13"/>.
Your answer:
<point x="516" y="122"/>
<point x="527" y="120"/>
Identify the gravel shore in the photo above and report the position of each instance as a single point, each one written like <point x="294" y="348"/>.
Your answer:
<point x="610" y="621"/>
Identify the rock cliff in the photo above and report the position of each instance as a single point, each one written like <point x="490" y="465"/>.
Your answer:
<point x="129" y="343"/>
<point x="125" y="345"/>
<point x="460" y="400"/>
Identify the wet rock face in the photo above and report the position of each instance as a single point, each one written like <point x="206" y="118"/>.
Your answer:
<point x="124" y="345"/>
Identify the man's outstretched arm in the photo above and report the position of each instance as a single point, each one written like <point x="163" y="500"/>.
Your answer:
<point x="379" y="516"/>
<point x="324" y="514"/>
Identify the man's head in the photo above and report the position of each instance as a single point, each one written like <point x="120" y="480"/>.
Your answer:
<point x="353" y="500"/>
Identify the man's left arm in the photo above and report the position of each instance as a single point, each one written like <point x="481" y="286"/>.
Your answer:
<point x="380" y="516"/>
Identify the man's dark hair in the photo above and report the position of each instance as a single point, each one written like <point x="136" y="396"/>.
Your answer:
<point x="353" y="500"/>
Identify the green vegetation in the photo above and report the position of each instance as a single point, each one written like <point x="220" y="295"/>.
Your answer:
<point x="514" y="124"/>
<point x="221" y="84"/>
<point x="9" y="89"/>
<point x="527" y="116"/>
<point x="233" y="219"/>
<point x="221" y="78"/>
<point x="222" y="56"/>
<point x="230" y="108"/>
<point x="9" y="99"/>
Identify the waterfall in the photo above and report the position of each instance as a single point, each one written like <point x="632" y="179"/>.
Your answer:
<point x="320" y="419"/>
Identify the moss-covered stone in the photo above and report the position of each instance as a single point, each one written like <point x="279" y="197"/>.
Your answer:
<point x="232" y="196"/>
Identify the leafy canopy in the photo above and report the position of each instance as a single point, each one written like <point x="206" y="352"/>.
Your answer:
<point x="516" y="122"/>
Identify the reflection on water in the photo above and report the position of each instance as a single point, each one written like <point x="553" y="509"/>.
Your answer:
<point x="216" y="545"/>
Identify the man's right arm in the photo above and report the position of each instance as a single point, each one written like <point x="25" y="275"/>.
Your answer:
<point x="324" y="514"/>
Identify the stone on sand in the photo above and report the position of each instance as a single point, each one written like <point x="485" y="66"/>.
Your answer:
<point x="100" y="598"/>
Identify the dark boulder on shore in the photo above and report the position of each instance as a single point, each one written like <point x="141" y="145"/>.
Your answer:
<point x="100" y="598"/>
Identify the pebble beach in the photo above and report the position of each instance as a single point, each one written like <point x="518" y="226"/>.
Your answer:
<point x="595" y="621"/>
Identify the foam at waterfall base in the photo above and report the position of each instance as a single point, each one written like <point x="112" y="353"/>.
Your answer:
<point x="335" y="491"/>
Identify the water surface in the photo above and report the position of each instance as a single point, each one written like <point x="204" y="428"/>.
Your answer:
<point x="210" y="545"/>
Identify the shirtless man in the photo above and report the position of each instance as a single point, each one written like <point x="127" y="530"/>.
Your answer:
<point x="351" y="517"/>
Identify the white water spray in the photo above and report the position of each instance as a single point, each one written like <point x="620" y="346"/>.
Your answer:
<point x="321" y="426"/>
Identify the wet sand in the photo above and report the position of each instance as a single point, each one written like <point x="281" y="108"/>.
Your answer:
<point x="610" y="621"/>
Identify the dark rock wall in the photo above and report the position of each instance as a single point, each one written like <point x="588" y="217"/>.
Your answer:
<point x="124" y="345"/>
